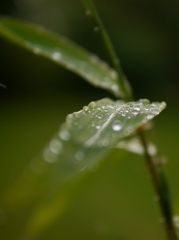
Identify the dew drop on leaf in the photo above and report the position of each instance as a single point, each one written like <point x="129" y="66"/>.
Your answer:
<point x="117" y="127"/>
<point x="150" y="116"/>
<point x="64" y="135"/>
<point x="92" y="104"/>
<point x="56" y="56"/>
<point x="85" y="108"/>
<point x="56" y="146"/>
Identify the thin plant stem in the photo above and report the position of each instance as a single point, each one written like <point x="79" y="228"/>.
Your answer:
<point x="157" y="175"/>
<point x="91" y="11"/>
<point x="161" y="188"/>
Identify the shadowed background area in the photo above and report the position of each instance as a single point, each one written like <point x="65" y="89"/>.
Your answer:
<point x="119" y="204"/>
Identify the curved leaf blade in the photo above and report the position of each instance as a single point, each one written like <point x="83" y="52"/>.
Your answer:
<point x="62" y="51"/>
<point x="83" y="140"/>
<point x="77" y="149"/>
<point x="89" y="134"/>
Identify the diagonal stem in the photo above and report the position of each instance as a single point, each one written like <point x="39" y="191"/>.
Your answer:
<point x="161" y="188"/>
<point x="158" y="178"/>
<point x="123" y="83"/>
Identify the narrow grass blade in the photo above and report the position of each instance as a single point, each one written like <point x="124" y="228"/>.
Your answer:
<point x="62" y="51"/>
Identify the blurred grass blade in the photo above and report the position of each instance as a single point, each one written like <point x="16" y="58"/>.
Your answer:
<point x="54" y="206"/>
<point x="62" y="51"/>
<point x="1" y="85"/>
<point x="90" y="133"/>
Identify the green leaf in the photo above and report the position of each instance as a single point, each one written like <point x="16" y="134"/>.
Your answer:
<point x="54" y="206"/>
<point x="85" y="138"/>
<point x="62" y="51"/>
<point x="89" y="134"/>
<point x="74" y="152"/>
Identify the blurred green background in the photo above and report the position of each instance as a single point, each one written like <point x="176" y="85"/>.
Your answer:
<point x="119" y="204"/>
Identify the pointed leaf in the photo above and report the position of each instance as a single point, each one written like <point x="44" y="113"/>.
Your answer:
<point x="88" y="134"/>
<point x="62" y="51"/>
<point x="77" y="149"/>
<point x="85" y="138"/>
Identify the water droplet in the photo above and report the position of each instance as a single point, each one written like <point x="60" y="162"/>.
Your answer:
<point x="137" y="108"/>
<point x="85" y="108"/>
<point x="99" y="116"/>
<point x="56" y="56"/>
<point x="115" y="88"/>
<point x="65" y="135"/>
<point x="150" y="116"/>
<point x="96" y="29"/>
<point x="79" y="156"/>
<point x="135" y="113"/>
<point x="154" y="112"/>
<point x="92" y="104"/>
<point x="75" y="114"/>
<point x="144" y="101"/>
<point x="56" y="146"/>
<point x="70" y="116"/>
<point x="117" y="127"/>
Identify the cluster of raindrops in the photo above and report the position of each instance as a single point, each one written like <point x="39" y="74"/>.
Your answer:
<point x="100" y="126"/>
<point x="88" y="66"/>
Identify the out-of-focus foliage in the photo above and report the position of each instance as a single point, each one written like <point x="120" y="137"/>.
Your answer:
<point x="62" y="51"/>
<point x="37" y="99"/>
